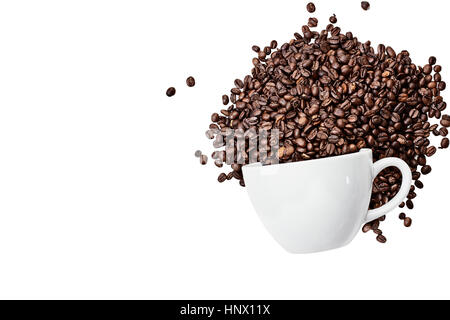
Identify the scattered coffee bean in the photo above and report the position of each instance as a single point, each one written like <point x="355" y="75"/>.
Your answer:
<point x="311" y="7"/>
<point x="225" y="100"/>
<point x="381" y="238"/>
<point x="256" y="49"/>
<point x="365" y="5"/>
<point x="273" y="44"/>
<point x="203" y="159"/>
<point x="222" y="177"/>
<point x="333" y="19"/>
<point x="198" y="153"/>
<point x="377" y="231"/>
<point x="426" y="169"/>
<point x="407" y="222"/>
<point x="409" y="204"/>
<point x="367" y="227"/>
<point x="402" y="216"/>
<point x="418" y="184"/>
<point x="190" y="81"/>
<point x="312" y="22"/>
<point x="171" y="92"/>
<point x="218" y="163"/>
<point x="444" y="143"/>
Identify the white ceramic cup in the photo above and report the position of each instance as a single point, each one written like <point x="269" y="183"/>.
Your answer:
<point x="321" y="204"/>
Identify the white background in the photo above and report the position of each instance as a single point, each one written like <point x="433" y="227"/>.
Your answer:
<point x="100" y="194"/>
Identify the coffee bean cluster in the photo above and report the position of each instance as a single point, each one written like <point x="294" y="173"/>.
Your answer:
<point x="329" y="94"/>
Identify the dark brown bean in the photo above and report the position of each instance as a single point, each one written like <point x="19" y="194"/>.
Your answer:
<point x="203" y="159"/>
<point x="426" y="169"/>
<point x="333" y="19"/>
<point x="381" y="238"/>
<point x="310" y="7"/>
<point x="190" y="81"/>
<point x="171" y="92"/>
<point x="407" y="222"/>
<point x="222" y="177"/>
<point x="365" y="5"/>
<point x="225" y="100"/>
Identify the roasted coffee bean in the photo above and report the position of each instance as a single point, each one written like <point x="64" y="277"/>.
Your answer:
<point x="256" y="49"/>
<point x="377" y="231"/>
<point x="445" y="122"/>
<point x="310" y="7"/>
<point x="407" y="222"/>
<point x="409" y="204"/>
<point x="381" y="238"/>
<point x="367" y="227"/>
<point x="198" y="153"/>
<point x="203" y="159"/>
<point x="444" y="143"/>
<point x="273" y="44"/>
<point x="190" y="81"/>
<point x="312" y="22"/>
<point x="430" y="151"/>
<point x="222" y="177"/>
<point x="171" y="92"/>
<point x="402" y="216"/>
<point x="426" y="169"/>
<point x="218" y="163"/>
<point x="365" y="5"/>
<point x="333" y="19"/>
<point x="225" y="100"/>
<point x="418" y="184"/>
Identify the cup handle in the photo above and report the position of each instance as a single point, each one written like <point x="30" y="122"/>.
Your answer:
<point x="401" y="194"/>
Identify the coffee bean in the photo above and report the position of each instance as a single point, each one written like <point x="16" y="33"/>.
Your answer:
<point x="418" y="184"/>
<point x="203" y="159"/>
<point x="402" y="216"/>
<point x="273" y="44"/>
<point x="367" y="227"/>
<point x="171" y="92"/>
<point x="430" y="151"/>
<point x="444" y="143"/>
<point x="218" y="163"/>
<point x="377" y="231"/>
<point x="190" y="81"/>
<point x="222" y="177"/>
<point x="225" y="100"/>
<point x="198" y="153"/>
<point x="426" y="169"/>
<point x="312" y="22"/>
<point x="310" y="7"/>
<point x="409" y="204"/>
<point x="381" y="238"/>
<point x="432" y="60"/>
<point x="365" y="5"/>
<point x="256" y="49"/>
<point x="333" y="19"/>
<point x="407" y="222"/>
<point x="445" y="122"/>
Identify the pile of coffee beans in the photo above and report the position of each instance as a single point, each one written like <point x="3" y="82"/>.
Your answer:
<point x="329" y="94"/>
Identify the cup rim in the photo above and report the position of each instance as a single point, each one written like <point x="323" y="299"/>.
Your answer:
<point x="361" y="152"/>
